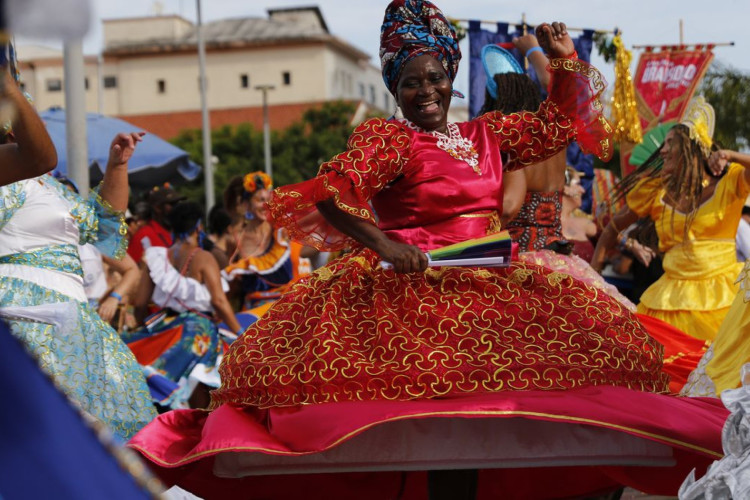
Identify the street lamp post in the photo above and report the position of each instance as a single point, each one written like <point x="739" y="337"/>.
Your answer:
<point x="266" y="127"/>
<point x="208" y="169"/>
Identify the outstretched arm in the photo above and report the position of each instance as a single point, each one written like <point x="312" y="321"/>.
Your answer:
<point x="31" y="152"/>
<point x="405" y="258"/>
<point x="718" y="161"/>
<point x="115" y="184"/>
<point x="537" y="58"/>
<point x="607" y="241"/>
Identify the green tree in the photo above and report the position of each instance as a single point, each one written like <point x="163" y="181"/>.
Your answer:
<point x="728" y="91"/>
<point x="302" y="147"/>
<point x="296" y="152"/>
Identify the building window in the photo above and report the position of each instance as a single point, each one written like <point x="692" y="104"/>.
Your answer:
<point x="54" y="85"/>
<point x="244" y="81"/>
<point x="362" y="90"/>
<point x="161" y="86"/>
<point x="372" y="94"/>
<point x="287" y="77"/>
<point x="86" y="82"/>
<point x="110" y="82"/>
<point x="386" y="100"/>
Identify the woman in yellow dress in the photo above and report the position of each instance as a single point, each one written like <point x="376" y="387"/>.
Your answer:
<point x="696" y="210"/>
<point x="720" y="368"/>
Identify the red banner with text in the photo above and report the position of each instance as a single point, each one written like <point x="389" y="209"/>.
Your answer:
<point x="665" y="81"/>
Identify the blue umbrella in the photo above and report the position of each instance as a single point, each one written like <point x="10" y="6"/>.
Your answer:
<point x="154" y="162"/>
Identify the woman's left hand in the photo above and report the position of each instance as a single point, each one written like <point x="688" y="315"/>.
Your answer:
<point x="123" y="146"/>
<point x="718" y="160"/>
<point x="554" y="39"/>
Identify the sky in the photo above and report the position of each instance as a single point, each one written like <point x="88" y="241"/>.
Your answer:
<point x="642" y="22"/>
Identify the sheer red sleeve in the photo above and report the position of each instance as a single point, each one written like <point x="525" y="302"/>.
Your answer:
<point x="375" y="155"/>
<point x="571" y="112"/>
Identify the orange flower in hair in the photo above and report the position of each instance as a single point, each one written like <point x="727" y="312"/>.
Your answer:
<point x="256" y="180"/>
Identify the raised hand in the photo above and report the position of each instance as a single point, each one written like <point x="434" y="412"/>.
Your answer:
<point x="122" y="147"/>
<point x="718" y="160"/>
<point x="525" y="42"/>
<point x="554" y="39"/>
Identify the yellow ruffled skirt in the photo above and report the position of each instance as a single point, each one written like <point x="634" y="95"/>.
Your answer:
<point x="697" y="288"/>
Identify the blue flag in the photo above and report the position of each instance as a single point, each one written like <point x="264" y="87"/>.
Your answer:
<point x="47" y="450"/>
<point x="478" y="38"/>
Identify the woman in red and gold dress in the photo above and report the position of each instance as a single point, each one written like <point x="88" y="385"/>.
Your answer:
<point x="365" y="373"/>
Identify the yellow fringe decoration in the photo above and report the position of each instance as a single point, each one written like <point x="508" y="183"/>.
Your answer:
<point x="625" y="118"/>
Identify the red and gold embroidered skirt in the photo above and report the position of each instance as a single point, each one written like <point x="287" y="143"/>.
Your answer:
<point x="353" y="331"/>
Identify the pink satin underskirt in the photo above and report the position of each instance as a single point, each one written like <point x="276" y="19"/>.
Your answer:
<point x="281" y="452"/>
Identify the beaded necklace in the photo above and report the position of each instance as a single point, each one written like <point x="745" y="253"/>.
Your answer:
<point x="453" y="143"/>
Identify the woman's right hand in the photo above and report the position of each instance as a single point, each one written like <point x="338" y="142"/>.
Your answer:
<point x="643" y="253"/>
<point x="404" y="258"/>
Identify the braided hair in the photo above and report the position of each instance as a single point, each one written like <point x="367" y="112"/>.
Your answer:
<point x="515" y="92"/>
<point x="684" y="185"/>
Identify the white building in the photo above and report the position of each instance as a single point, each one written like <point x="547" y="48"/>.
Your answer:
<point x="149" y="71"/>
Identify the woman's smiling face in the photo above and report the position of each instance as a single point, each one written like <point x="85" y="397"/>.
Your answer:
<point x="424" y="93"/>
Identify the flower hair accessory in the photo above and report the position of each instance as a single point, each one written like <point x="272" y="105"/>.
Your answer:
<point x="256" y="180"/>
<point x="700" y="119"/>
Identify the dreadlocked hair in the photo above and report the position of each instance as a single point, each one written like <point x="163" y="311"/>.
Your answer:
<point x="515" y="92"/>
<point x="684" y="186"/>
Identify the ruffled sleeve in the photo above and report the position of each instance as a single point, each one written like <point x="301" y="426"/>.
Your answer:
<point x="572" y="112"/>
<point x="98" y="223"/>
<point x="376" y="153"/>
<point x="644" y="195"/>
<point x="736" y="185"/>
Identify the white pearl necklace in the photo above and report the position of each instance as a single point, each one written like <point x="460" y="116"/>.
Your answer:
<point x="453" y="143"/>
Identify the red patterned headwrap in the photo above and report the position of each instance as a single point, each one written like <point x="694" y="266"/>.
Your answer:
<point x="413" y="28"/>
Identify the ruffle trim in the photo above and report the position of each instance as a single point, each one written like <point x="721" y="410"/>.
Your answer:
<point x="710" y="294"/>
<point x="268" y="263"/>
<point x="579" y="98"/>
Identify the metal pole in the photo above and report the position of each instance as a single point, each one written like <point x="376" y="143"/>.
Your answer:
<point x="682" y="38"/>
<point x="266" y="128"/>
<point x="208" y="168"/>
<point x="75" y="115"/>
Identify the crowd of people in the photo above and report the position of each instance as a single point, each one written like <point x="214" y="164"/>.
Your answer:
<point x="210" y="344"/>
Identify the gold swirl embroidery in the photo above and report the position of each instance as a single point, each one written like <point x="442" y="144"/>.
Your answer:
<point x="587" y="71"/>
<point x="597" y="85"/>
<point x="528" y="137"/>
<point x="355" y="332"/>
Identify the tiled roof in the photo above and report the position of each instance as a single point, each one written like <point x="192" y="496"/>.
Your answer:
<point x="232" y="31"/>
<point x="169" y="125"/>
